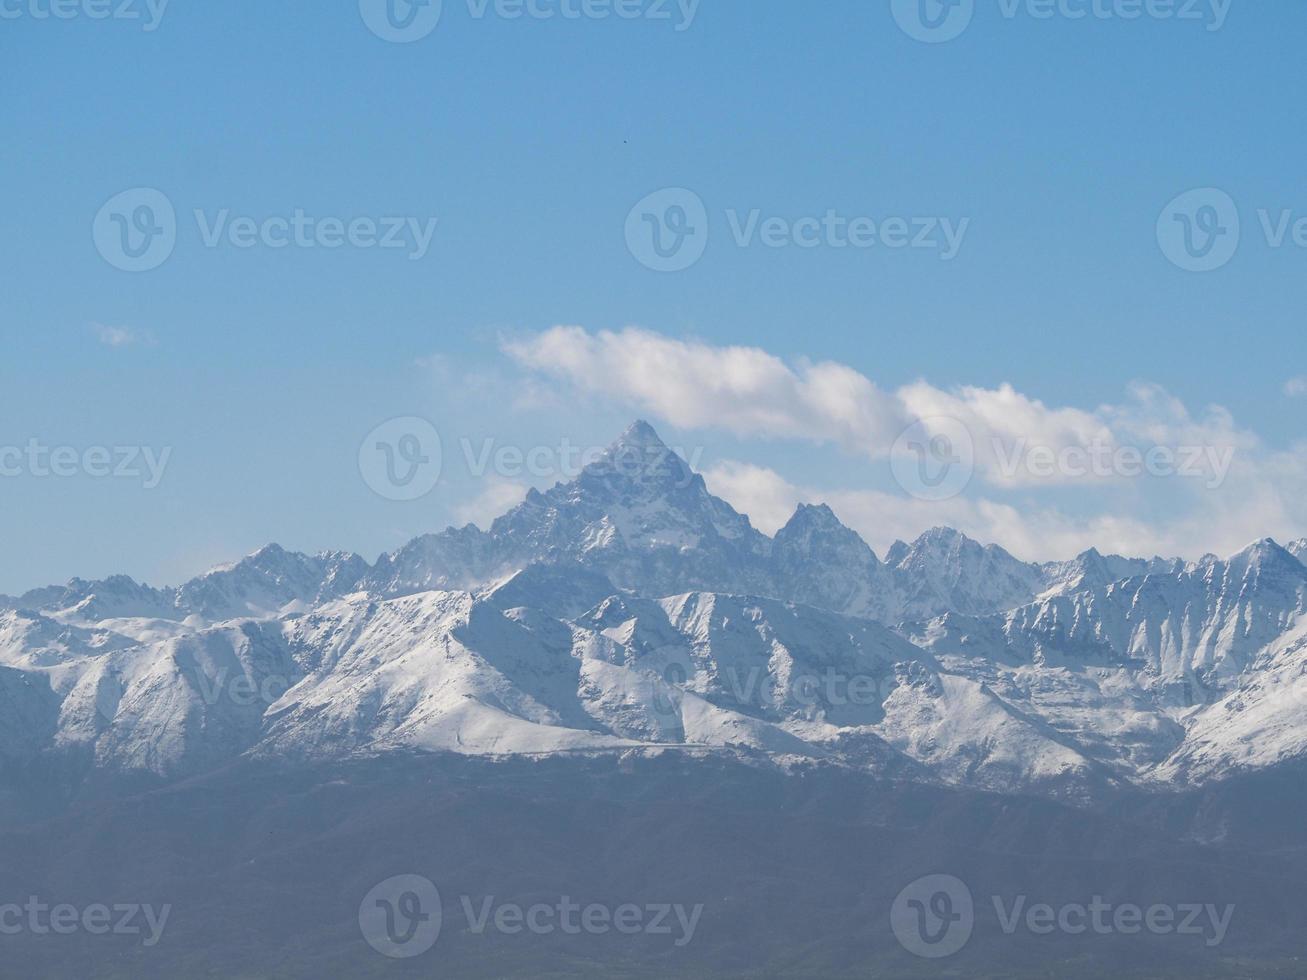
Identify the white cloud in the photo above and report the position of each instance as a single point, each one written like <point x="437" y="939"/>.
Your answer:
<point x="744" y="390"/>
<point x="1223" y="527"/>
<point x="751" y="392"/>
<point x="767" y="497"/>
<point x="496" y="496"/>
<point x="1239" y="489"/>
<point x="119" y="336"/>
<point x="1296" y="387"/>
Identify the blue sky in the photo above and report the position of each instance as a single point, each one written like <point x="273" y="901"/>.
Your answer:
<point x="529" y="140"/>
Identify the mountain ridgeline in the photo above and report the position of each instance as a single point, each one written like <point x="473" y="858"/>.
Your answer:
<point x="631" y="611"/>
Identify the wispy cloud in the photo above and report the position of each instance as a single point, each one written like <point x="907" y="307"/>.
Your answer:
<point x="496" y="496"/>
<point x="750" y="392"/>
<point x="1296" y="387"/>
<point x="1034" y="533"/>
<point x="120" y="336"/>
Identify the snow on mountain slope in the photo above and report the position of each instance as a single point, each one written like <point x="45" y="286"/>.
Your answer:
<point x="262" y="584"/>
<point x="944" y="570"/>
<point x="642" y="518"/>
<point x="1107" y="711"/>
<point x="179" y="706"/>
<point x="444" y="670"/>
<point x="631" y="609"/>
<point x="268" y="581"/>
<point x="1195" y="631"/>
<point x="434" y="670"/>
<point x="1263" y="721"/>
<point x="564" y="591"/>
<point x="638" y="515"/>
<point x="89" y="602"/>
<point x="29" y="713"/>
<point x="1167" y="676"/>
<point x="964" y="733"/>
<point x="818" y="561"/>
<point x="1092" y="570"/>
<point x="785" y="661"/>
<point x="29" y="640"/>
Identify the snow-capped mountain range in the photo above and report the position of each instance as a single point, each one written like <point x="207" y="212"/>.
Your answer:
<point x="632" y="611"/>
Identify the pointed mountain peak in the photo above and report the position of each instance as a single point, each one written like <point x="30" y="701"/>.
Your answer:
<point x="640" y="434"/>
<point x="814" y="546"/>
<point x="942" y="532"/>
<point x="814" y="516"/>
<point x="817" y="522"/>
<point x="1263" y="561"/>
<point x="269" y="554"/>
<point x="639" y="456"/>
<point x="948" y="551"/>
<point x="1260" y="553"/>
<point x="943" y="540"/>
